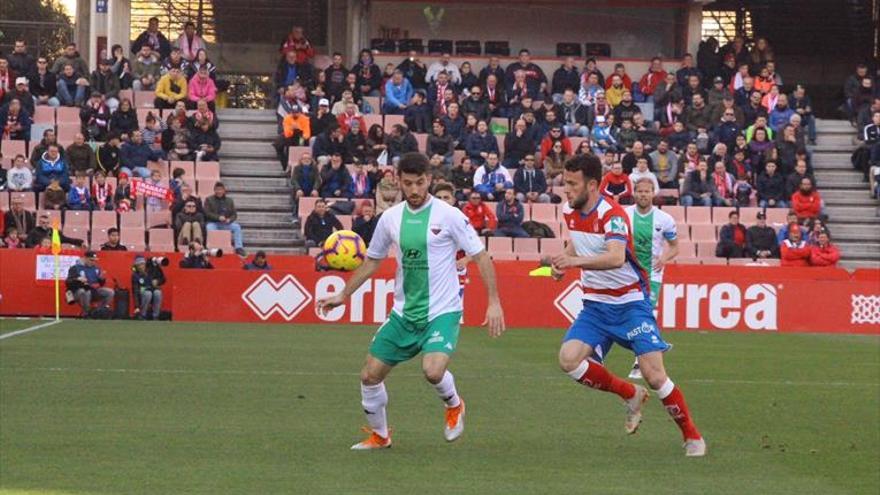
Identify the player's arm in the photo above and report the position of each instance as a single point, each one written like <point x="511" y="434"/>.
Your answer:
<point x="364" y="272"/>
<point x="668" y="255"/>
<point x="494" y="312"/>
<point x="614" y="257"/>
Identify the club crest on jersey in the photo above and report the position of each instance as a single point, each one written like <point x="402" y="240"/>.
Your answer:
<point x="618" y="226"/>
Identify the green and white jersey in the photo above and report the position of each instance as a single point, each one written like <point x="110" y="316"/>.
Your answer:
<point x="426" y="241"/>
<point x="650" y="233"/>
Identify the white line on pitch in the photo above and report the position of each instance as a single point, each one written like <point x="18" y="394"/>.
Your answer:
<point x="29" y="329"/>
<point x="149" y="371"/>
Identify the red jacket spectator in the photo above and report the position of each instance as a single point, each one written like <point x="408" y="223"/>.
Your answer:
<point x="807" y="205"/>
<point x="627" y="82"/>
<point x="480" y="215"/>
<point x="547" y="145"/>
<point x="795" y="253"/>
<point x="655" y="76"/>
<point x="297" y="42"/>
<point x="344" y="120"/>
<point x="824" y="253"/>
<point x="616" y="184"/>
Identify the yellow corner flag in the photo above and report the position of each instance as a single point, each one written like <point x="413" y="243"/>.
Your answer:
<point x="56" y="250"/>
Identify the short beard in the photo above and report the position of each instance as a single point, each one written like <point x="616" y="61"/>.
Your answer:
<point x="579" y="202"/>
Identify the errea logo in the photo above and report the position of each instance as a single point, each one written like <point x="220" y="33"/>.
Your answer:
<point x="267" y="297"/>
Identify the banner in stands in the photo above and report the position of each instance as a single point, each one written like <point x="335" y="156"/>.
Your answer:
<point x="766" y="299"/>
<point x="45" y="265"/>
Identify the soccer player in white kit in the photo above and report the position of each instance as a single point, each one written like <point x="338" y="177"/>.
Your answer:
<point x="653" y="229"/>
<point x="426" y="233"/>
<point x="617" y="309"/>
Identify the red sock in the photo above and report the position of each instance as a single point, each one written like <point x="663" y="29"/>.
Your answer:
<point x="678" y="409"/>
<point x="598" y="377"/>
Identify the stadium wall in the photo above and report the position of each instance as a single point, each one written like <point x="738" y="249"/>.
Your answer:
<point x="724" y="298"/>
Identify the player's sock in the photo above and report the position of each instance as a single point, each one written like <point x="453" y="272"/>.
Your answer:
<point x="374" y="398"/>
<point x="594" y="375"/>
<point x="676" y="406"/>
<point x="446" y="390"/>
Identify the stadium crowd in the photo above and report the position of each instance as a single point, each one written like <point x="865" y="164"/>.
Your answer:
<point x="722" y="130"/>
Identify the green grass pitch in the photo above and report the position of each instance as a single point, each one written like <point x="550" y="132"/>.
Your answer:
<point x="160" y="408"/>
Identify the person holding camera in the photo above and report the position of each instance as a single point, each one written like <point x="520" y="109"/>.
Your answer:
<point x="197" y="256"/>
<point x="147" y="279"/>
<point x="85" y="281"/>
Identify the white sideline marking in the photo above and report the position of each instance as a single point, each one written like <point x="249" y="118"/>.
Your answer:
<point x="149" y="371"/>
<point x="29" y="329"/>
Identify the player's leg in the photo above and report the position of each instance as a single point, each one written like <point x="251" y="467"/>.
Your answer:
<point x="439" y="342"/>
<point x="673" y="400"/>
<point x="656" y="283"/>
<point x="374" y="397"/>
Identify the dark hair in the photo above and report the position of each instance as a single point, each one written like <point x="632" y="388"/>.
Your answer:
<point x="413" y="163"/>
<point x="112" y="230"/>
<point x="589" y="165"/>
<point x="525" y="50"/>
<point x="444" y="187"/>
<point x="178" y="172"/>
<point x="732" y="213"/>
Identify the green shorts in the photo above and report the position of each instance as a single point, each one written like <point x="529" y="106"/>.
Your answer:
<point x="399" y="340"/>
<point x="655" y="292"/>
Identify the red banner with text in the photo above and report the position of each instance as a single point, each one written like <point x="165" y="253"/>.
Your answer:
<point x="693" y="297"/>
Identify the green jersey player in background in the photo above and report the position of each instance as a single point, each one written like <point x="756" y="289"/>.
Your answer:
<point x="653" y="229"/>
<point x="426" y="233"/>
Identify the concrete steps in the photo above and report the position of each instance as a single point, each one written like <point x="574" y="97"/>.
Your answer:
<point x="854" y="217"/>
<point x="251" y="171"/>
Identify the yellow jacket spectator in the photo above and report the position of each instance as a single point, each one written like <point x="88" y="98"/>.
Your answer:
<point x="170" y="89"/>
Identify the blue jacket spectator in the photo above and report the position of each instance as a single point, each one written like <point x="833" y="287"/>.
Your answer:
<point x="134" y="155"/>
<point x="781" y="114"/>
<point x="481" y="143"/>
<point x="530" y="183"/>
<point x="335" y="179"/>
<point x="52" y="166"/>
<point x="491" y="179"/>
<point x="510" y="213"/>
<point x="398" y="92"/>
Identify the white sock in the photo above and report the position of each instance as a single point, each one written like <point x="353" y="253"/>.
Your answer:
<point x="665" y="389"/>
<point x="374" y="398"/>
<point x="578" y="372"/>
<point x="446" y="390"/>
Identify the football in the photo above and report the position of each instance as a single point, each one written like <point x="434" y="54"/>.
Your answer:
<point x="344" y="250"/>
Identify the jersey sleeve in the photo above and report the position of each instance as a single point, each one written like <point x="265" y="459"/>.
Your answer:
<point x="668" y="229"/>
<point x="382" y="239"/>
<point x="465" y="236"/>
<point x="616" y="225"/>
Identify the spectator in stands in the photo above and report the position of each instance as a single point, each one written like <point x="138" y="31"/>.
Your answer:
<point x="665" y="165"/>
<point x="589" y="88"/>
<point x="496" y="96"/>
<point x="510" y="214"/>
<point x="288" y="72"/>
<point x="760" y="150"/>
<point x="20" y="177"/>
<point x="687" y="70"/>
<point x="655" y="76"/>
<point x="258" y="263"/>
<point x="444" y="64"/>
<point x="440" y="144"/>
<point x="717" y="93"/>
<point x="200" y="61"/>
<point x="170" y="89"/>
<point x="124" y="120"/>
<point x="107" y="156"/>
<point x="480" y="215"/>
<point x="626" y="109"/>
<point x="330" y="141"/>
<point x="72" y="57"/>
<point x="16" y="121"/>
<point x="369" y="76"/>
<point x="398" y="92"/>
<point x="642" y="172"/>
<point x="305" y="180"/>
<point x="101" y="193"/>
<point x="43" y="85"/>
<point x="54" y="197"/>
<point x="771" y="188"/>
<point x="437" y="90"/>
<point x="189" y="42"/>
<point x="480" y="143"/>
<point x="362" y="186"/>
<point x="477" y="105"/>
<point x="7" y="78"/>
<point x="105" y="82"/>
<point x="463" y="178"/>
<point x="221" y="215"/>
<point x="80" y="156"/>
<point x="566" y="77"/>
<point x="189" y="224"/>
<point x="725" y="187"/>
<point x="22" y="220"/>
<point x="146" y="69"/>
<point x="615" y="90"/>
<point x="530" y="184"/>
<point x="803" y="106"/>
<point x="761" y="240"/>
<point x="205" y="142"/>
<point x="322" y="119"/>
<point x="320" y="224"/>
<point x="135" y="154"/>
<point x="86" y="281"/>
<point x="790" y="218"/>
<point x="364" y="223"/>
<point x="534" y="77"/>
<point x="492" y="179"/>
<point x="297" y="43"/>
<point x="145" y="285"/>
<point x="95" y="117"/>
<point x="699" y="188"/>
<point x="824" y="253"/>
<point x="806" y="201"/>
<point x="175" y="61"/>
<point x="335" y="179"/>
<point x="417" y="115"/>
<point x="517" y="143"/>
<point x="297" y="131"/>
<point x="492" y="68"/>
<point x="554" y="163"/>
<point x="20" y="61"/>
<point x="44" y="230"/>
<point x="201" y="88"/>
<point x="400" y="142"/>
<point x="51" y="165"/>
<point x="21" y="93"/>
<point x="78" y="198"/>
<point x="122" y="197"/>
<point x="71" y="87"/>
<point x="794" y="251"/>
<point x="732" y="238"/>
<point x="616" y="185"/>
<point x="602" y="139"/>
<point x="793" y="180"/>
<point x="414" y="70"/>
<point x="152" y="38"/>
<point x="698" y="116"/>
<point x="638" y="151"/>
<point x="113" y="243"/>
<point x="387" y="192"/>
<point x="780" y="113"/>
<point x="335" y="76"/>
<point x="575" y="116"/>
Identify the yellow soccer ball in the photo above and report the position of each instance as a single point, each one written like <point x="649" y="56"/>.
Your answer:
<point x="344" y="250"/>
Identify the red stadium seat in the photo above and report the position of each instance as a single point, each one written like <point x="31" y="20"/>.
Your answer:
<point x="44" y="114"/>
<point x="687" y="261"/>
<point x="77" y="219"/>
<point x="543" y="212"/>
<point x="306" y="206"/>
<point x="295" y="153"/>
<point x="132" y="236"/>
<point x="126" y="94"/>
<point x="502" y="256"/>
<point x="556" y="228"/>
<point x="676" y="212"/>
<point x="54" y="215"/>
<point x="205" y="188"/>
<point x="144" y="99"/>
<point x="99" y="236"/>
<point x="221" y="239"/>
<point x="687" y="249"/>
<point x="525" y="246"/>
<point x="703" y="233"/>
<point x="776" y="216"/>
<point x="67" y="115"/>
<point x="720" y="214"/>
<point x="81" y="233"/>
<point x="552" y="246"/>
<point x="158" y="219"/>
<point x="189" y="168"/>
<point x="500" y="245"/>
<point x="161" y="240"/>
<point x="528" y="257"/>
<point x="391" y="121"/>
<point x="706" y="249"/>
<point x="28" y="200"/>
<point x="372" y="119"/>
<point x="10" y="147"/>
<point x="208" y="171"/>
<point x="162" y="167"/>
<point x="684" y="231"/>
<point x="132" y="220"/>
<point x="747" y="215"/>
<point x="67" y="132"/>
<point x="699" y="214"/>
<point x="4" y="201"/>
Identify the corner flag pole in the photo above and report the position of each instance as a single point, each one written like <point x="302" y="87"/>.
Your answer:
<point x="56" y="251"/>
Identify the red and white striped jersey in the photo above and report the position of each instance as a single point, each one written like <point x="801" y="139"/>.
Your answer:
<point x="590" y="234"/>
